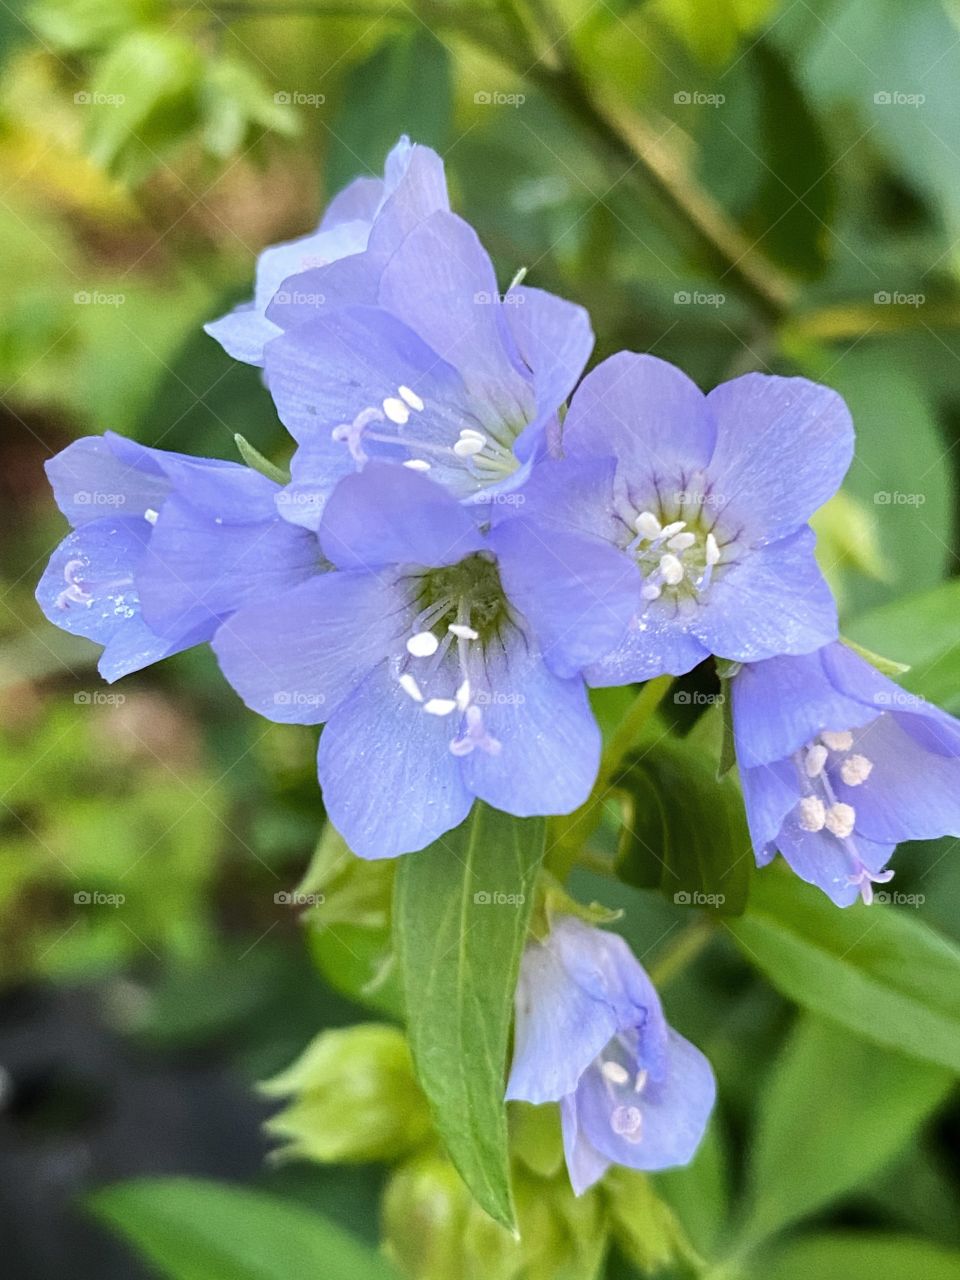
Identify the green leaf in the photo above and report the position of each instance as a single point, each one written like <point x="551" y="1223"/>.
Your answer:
<point x="835" y="1111"/>
<point x="196" y="1230"/>
<point x="406" y="83"/>
<point x="841" y="1255"/>
<point x="886" y="666"/>
<point x="460" y="920"/>
<point x="644" y="1226"/>
<point x="876" y="970"/>
<point x="685" y="832"/>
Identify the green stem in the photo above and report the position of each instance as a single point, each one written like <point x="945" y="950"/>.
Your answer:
<point x="681" y="952"/>
<point x="630" y="727"/>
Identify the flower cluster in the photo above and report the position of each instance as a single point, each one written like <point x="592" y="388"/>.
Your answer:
<point x="472" y="534"/>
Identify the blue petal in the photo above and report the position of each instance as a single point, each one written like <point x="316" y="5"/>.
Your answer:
<point x="549" y="741"/>
<point x="585" y="1164"/>
<point x="578" y="593"/>
<point x="134" y="646"/>
<point x="416" y="187"/>
<point x="390" y="783"/>
<point x="295" y="657"/>
<point x="822" y="860"/>
<point x="197" y="571"/>
<point x="780" y="704"/>
<point x="646" y="413"/>
<point x="388" y="515"/>
<point x="657" y="644"/>
<point x="576" y="495"/>
<point x="91" y="482"/>
<point x="773" y="600"/>
<point x="770" y="791"/>
<point x="783" y="447"/>
<point x="358" y="201"/>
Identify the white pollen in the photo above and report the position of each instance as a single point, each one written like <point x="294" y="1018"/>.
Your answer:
<point x="812" y="816"/>
<point x="613" y="1072"/>
<point x="672" y="569"/>
<point x="814" y="760"/>
<point x="669" y="530"/>
<point x="627" y="1122"/>
<point x="855" y="770"/>
<point x="417" y="464"/>
<point x="463" y="696"/>
<point x="640" y="1083"/>
<point x="439" y="706"/>
<point x="396" y="410"/>
<point x="423" y="645"/>
<point x="713" y="550"/>
<point x="151" y="516"/>
<point x="651" y="591"/>
<point x="842" y="740"/>
<point x="409" y="685"/>
<point x="411" y="397"/>
<point x="463" y="632"/>
<point x="468" y="445"/>
<point x="647" y="524"/>
<point x="681" y="541"/>
<point x="840" y="819"/>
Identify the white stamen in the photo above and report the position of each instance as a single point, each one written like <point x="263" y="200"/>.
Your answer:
<point x="814" y="760"/>
<point x="613" y="1072"/>
<point x="423" y="645"/>
<point x="463" y="632"/>
<point x="842" y="740"/>
<point x="647" y="524"/>
<point x="411" y="397"/>
<point x="627" y="1122"/>
<point x="468" y="445"/>
<point x="439" y="706"/>
<point x="417" y="464"/>
<point x="712" y="550"/>
<point x="856" y="770"/>
<point x="840" y="819"/>
<point x="151" y="516"/>
<point x="671" y="568"/>
<point x="669" y="530"/>
<point x="463" y="696"/>
<point x="651" y="591"/>
<point x="681" y="541"/>
<point x="409" y="685"/>
<point x="396" y="410"/>
<point x="640" y="1083"/>
<point x="813" y="815"/>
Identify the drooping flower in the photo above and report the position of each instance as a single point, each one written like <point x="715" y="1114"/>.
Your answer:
<point x="706" y="499"/>
<point x="839" y="765"/>
<point x="360" y="229"/>
<point x="437" y="371"/>
<point x="164" y="547"/>
<point x="591" y="1035"/>
<point x="430" y="681"/>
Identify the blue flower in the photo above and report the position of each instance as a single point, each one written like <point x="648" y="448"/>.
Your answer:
<point x="591" y="1035"/>
<point x="430" y="682"/>
<point x="435" y="370"/>
<point x="164" y="547"/>
<point x="838" y="765"/>
<point x="704" y="499"/>
<point x="358" y="232"/>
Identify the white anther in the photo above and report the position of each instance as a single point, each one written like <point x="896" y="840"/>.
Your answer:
<point x="812" y="815"/>
<point x="463" y="696"/>
<point x="651" y="591"/>
<point x="640" y="1082"/>
<point x="839" y="741"/>
<point x="417" y="464"/>
<point x="613" y="1072"/>
<point x="440" y="706"/>
<point x="396" y="410"/>
<point x="423" y="645"/>
<point x="409" y="685"/>
<point x="671" y="569"/>
<point x="669" y="530"/>
<point x="814" y="760"/>
<point x="840" y="819"/>
<point x="463" y="632"/>
<point x="627" y="1122"/>
<point x="411" y="397"/>
<point x="855" y="770"/>
<point x="712" y="550"/>
<point x="469" y="445"/>
<point x="151" y="516"/>
<point x="647" y="525"/>
<point x="681" y="541"/>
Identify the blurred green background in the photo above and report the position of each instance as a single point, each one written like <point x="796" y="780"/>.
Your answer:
<point x="731" y="184"/>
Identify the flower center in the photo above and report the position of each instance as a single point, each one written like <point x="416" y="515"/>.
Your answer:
<point x="624" y="1084"/>
<point x="81" y="590"/>
<point x="677" y="557"/>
